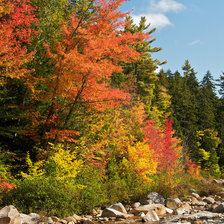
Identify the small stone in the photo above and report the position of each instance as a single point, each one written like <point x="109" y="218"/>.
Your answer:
<point x="77" y="217"/>
<point x="50" y="220"/>
<point x="87" y="221"/>
<point x="94" y="212"/>
<point x="119" y="207"/>
<point x="209" y="200"/>
<point x="136" y="204"/>
<point x="197" y="196"/>
<point x="151" y="216"/>
<point x="55" y="219"/>
<point x="193" y="200"/>
<point x="71" y="219"/>
<point x="219" y="208"/>
<point x="169" y="211"/>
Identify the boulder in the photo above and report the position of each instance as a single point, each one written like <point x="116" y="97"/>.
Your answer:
<point x="194" y="200"/>
<point x="184" y="208"/>
<point x="71" y="219"/>
<point x="27" y="219"/>
<point x="218" y="198"/>
<point x="220" y="182"/>
<point x="151" y="216"/>
<point x="110" y="212"/>
<point x="209" y="200"/>
<point x="181" y="211"/>
<point x="119" y="207"/>
<point x="173" y="203"/>
<point x="158" y="208"/>
<point x="9" y="215"/>
<point x="219" y="208"/>
<point x="156" y="198"/>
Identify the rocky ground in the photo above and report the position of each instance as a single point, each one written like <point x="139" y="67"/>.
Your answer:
<point x="152" y="209"/>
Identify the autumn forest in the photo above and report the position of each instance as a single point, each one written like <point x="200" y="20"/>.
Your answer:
<point x="85" y="117"/>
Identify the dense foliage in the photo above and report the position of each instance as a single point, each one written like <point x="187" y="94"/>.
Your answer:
<point x="85" y="119"/>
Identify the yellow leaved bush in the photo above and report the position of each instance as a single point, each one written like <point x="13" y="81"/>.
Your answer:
<point x="61" y="164"/>
<point x="142" y="159"/>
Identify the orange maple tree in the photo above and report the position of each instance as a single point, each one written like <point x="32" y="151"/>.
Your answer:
<point x="16" y="19"/>
<point x="84" y="59"/>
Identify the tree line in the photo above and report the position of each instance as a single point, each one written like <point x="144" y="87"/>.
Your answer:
<point x="85" y="118"/>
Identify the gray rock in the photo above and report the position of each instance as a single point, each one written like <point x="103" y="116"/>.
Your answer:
<point x="219" y="208"/>
<point x="9" y="215"/>
<point x="28" y="219"/>
<point x="151" y="216"/>
<point x="158" y="208"/>
<point x="169" y="211"/>
<point x="49" y="220"/>
<point x="203" y="215"/>
<point x="119" y="207"/>
<point x="196" y="216"/>
<point x="110" y="212"/>
<point x="220" y="182"/>
<point x="34" y="215"/>
<point x="181" y="211"/>
<point x="156" y="198"/>
<point x="204" y="181"/>
<point x="195" y="195"/>
<point x="136" y="205"/>
<point x="55" y="219"/>
<point x="209" y="200"/>
<point x="173" y="203"/>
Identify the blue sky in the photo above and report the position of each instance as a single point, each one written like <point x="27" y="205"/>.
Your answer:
<point x="186" y="29"/>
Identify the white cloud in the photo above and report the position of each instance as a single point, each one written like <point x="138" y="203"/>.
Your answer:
<point x="194" y="42"/>
<point x="159" y="67"/>
<point x="166" y="6"/>
<point x="157" y="20"/>
<point x="156" y="12"/>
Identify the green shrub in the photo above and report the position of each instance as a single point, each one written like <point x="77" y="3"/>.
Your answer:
<point x="208" y="189"/>
<point x="94" y="194"/>
<point x="45" y="195"/>
<point x="49" y="186"/>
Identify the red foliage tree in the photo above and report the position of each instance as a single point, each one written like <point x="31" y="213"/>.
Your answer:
<point x="84" y="59"/>
<point x="16" y="19"/>
<point x="167" y="151"/>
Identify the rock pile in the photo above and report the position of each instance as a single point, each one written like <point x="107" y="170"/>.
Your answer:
<point x="153" y="208"/>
